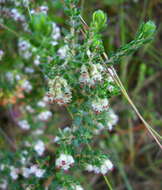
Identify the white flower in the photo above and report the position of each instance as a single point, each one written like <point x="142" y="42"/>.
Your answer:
<point x="10" y="76"/>
<point x="18" y="77"/>
<point x="29" y="70"/>
<point x="1" y="54"/>
<point x="39" y="147"/>
<point x="64" y="161"/>
<point x="59" y="91"/>
<point x="23" y="160"/>
<point x="63" y="51"/>
<point x="26" y="86"/>
<point x="110" y="79"/>
<point x="41" y="104"/>
<point x="55" y="34"/>
<point x="3" y="184"/>
<point x="96" y="169"/>
<point x="99" y="128"/>
<point x="29" y="109"/>
<point x="45" y="115"/>
<point x="77" y="187"/>
<point x="25" y="172"/>
<point x="37" y="60"/>
<point x="106" y="167"/>
<point x="33" y="169"/>
<point x="55" y="31"/>
<point x="24" y="48"/>
<point x="100" y="105"/>
<point x="14" y="172"/>
<point x="110" y="88"/>
<point x="37" y="132"/>
<point x="90" y="74"/>
<point x="89" y="168"/>
<point x="14" y="13"/>
<point x="112" y="119"/>
<point x="73" y="187"/>
<point x="23" y="124"/>
<point x="23" y="45"/>
<point x="37" y="171"/>
<point x="2" y="167"/>
<point x="43" y="9"/>
<point x="67" y="129"/>
<point x="56" y="139"/>
<point x="26" y="3"/>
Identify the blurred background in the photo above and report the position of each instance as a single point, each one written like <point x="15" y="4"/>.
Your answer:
<point x="137" y="158"/>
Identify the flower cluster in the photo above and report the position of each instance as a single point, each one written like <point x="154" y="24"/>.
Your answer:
<point x="100" y="105"/>
<point x="91" y="74"/>
<point x="65" y="161"/>
<point x="59" y="91"/>
<point x="104" y="168"/>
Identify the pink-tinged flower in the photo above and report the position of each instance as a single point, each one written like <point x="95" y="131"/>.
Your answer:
<point x="64" y="161"/>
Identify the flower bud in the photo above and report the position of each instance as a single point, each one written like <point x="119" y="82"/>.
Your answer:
<point x="147" y="29"/>
<point x="40" y="24"/>
<point x="99" y="19"/>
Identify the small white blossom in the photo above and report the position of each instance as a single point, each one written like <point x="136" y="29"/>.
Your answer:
<point x="63" y="51"/>
<point x="59" y="91"/>
<point x="14" y="172"/>
<point x="37" y="60"/>
<point x="25" y="172"/>
<point x="110" y="88"/>
<point x="17" y="77"/>
<point x="112" y="119"/>
<point x="43" y="9"/>
<point x="2" y="167"/>
<point x="3" y="184"/>
<point x="41" y="104"/>
<point x="77" y="187"/>
<point x="29" y="109"/>
<point x="100" y="105"/>
<point x="64" y="161"/>
<point x="33" y="169"/>
<point x="23" y="124"/>
<point x="89" y="168"/>
<point x="105" y="167"/>
<point x="99" y="128"/>
<point x="73" y="187"/>
<point x="37" y="132"/>
<point x="56" y="139"/>
<point x="1" y="54"/>
<point x="39" y="147"/>
<point x="24" y="48"/>
<point x="90" y="74"/>
<point x="23" y="160"/>
<point x="45" y="115"/>
<point x="10" y="76"/>
<point x="14" y="13"/>
<point x="26" y="86"/>
<point x="37" y="171"/>
<point x="29" y="70"/>
<point x="23" y="45"/>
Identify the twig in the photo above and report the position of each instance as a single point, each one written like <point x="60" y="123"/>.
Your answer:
<point x="119" y="83"/>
